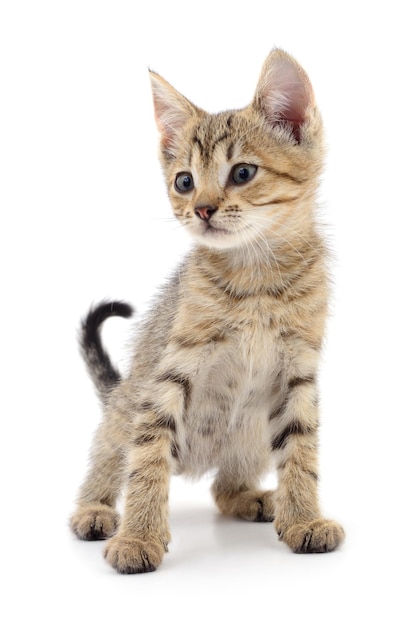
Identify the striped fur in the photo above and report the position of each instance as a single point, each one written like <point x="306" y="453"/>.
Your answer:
<point x="224" y="376"/>
<point x="104" y="375"/>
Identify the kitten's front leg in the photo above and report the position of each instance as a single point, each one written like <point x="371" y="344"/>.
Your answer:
<point x="144" y="533"/>
<point x="298" y="519"/>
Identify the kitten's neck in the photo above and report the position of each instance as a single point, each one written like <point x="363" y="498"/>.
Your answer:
<point x="263" y="267"/>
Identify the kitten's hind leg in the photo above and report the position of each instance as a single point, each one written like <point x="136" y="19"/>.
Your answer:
<point x="94" y="521"/>
<point x="241" y="500"/>
<point x="95" y="516"/>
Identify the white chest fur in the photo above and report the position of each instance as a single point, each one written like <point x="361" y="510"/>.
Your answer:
<point x="231" y="399"/>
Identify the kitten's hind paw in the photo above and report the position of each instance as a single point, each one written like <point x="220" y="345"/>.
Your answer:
<point x="318" y="536"/>
<point x="251" y="505"/>
<point x="132" y="556"/>
<point x="95" y="522"/>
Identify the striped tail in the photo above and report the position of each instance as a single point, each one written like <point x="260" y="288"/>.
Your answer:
<point x="104" y="375"/>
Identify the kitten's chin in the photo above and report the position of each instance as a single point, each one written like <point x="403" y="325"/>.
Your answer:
<point x="217" y="238"/>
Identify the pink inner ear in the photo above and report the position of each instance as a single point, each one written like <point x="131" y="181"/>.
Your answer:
<point x="285" y="92"/>
<point x="296" y="101"/>
<point x="172" y="110"/>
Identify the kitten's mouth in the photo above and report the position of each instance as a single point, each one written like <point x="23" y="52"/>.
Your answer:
<point x="210" y="229"/>
<point x="213" y="236"/>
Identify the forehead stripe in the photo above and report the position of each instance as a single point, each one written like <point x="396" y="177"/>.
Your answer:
<point x="207" y="146"/>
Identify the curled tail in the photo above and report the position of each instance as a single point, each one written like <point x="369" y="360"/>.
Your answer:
<point x="104" y="375"/>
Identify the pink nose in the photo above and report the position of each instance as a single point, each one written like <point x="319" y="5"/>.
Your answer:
<point x="205" y="212"/>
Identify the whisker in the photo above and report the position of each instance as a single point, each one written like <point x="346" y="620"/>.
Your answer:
<point x="278" y="235"/>
<point x="260" y="244"/>
<point x="295" y="232"/>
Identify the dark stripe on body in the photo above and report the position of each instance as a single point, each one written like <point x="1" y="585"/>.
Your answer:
<point x="145" y="407"/>
<point x="165" y="421"/>
<point x="287" y="333"/>
<point x="282" y="466"/>
<point x="272" y="292"/>
<point x="185" y="342"/>
<point x="179" y="379"/>
<point x="280" y="410"/>
<point x="294" y="428"/>
<point x="145" y="438"/>
<point x="299" y="381"/>
<point x="175" y="451"/>
<point x="150" y="431"/>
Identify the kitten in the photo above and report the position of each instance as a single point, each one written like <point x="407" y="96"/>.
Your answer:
<point x="224" y="373"/>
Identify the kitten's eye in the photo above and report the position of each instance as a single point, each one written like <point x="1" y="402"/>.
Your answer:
<point x="184" y="182"/>
<point x="243" y="173"/>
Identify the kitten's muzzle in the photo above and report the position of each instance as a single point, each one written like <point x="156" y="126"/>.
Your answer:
<point x="205" y="212"/>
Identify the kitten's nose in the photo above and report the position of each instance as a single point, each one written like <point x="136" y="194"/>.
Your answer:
<point x="205" y="212"/>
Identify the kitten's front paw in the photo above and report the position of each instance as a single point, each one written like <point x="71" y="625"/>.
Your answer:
<point x="95" y="522"/>
<point x="133" y="556"/>
<point x="320" y="535"/>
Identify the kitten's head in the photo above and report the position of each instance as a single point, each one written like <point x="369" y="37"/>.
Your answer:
<point x="245" y="175"/>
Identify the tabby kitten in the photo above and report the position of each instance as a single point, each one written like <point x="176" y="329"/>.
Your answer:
<point x="224" y="373"/>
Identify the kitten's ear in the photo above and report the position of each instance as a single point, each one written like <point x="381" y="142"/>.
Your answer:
<point x="284" y="92"/>
<point x="172" y="110"/>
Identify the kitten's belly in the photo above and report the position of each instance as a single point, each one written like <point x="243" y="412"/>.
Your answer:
<point x="231" y="400"/>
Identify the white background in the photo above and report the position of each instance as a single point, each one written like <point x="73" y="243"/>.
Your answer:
<point x="84" y="215"/>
